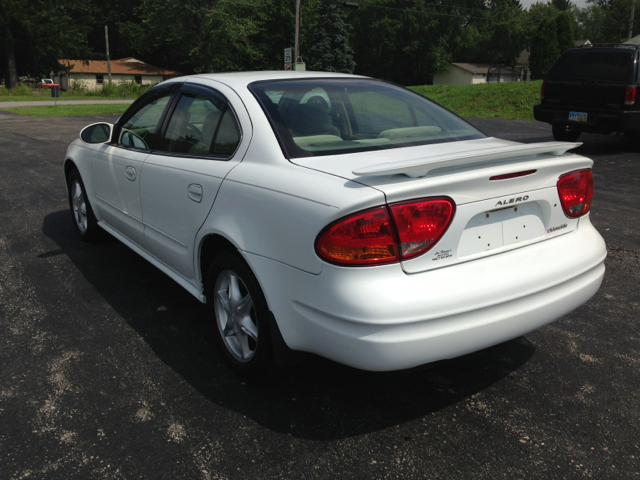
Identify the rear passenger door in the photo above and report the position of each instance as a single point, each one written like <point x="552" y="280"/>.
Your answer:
<point x="202" y="140"/>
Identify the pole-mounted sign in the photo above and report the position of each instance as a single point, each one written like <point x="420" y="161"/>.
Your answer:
<point x="288" y="59"/>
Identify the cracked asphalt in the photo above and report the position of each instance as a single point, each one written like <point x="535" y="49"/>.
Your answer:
<point x="107" y="369"/>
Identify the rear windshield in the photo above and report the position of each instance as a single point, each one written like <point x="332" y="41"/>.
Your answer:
<point x="315" y="117"/>
<point x="610" y="65"/>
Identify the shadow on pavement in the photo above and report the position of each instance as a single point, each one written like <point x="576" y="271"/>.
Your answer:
<point x="318" y="400"/>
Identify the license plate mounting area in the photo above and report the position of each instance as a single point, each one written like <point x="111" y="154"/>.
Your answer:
<point x="501" y="228"/>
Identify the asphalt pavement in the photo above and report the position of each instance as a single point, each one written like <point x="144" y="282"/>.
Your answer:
<point x="107" y="369"/>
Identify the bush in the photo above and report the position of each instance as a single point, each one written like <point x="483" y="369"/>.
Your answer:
<point x="19" y="89"/>
<point x="110" y="89"/>
<point x="78" y="86"/>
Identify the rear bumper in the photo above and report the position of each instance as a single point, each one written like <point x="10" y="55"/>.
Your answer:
<point x="383" y="319"/>
<point x="598" y="121"/>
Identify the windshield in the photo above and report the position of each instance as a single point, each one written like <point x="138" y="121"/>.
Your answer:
<point x="315" y="117"/>
<point x="608" y="65"/>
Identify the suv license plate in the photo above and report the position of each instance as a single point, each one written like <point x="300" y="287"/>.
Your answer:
<point x="577" y="116"/>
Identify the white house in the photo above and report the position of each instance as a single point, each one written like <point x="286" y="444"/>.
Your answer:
<point x="94" y="73"/>
<point x="470" y="73"/>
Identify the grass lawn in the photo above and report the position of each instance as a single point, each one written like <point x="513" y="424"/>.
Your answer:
<point x="487" y="100"/>
<point x="69" y="110"/>
<point x="63" y="96"/>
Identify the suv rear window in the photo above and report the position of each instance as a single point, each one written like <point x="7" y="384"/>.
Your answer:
<point x="609" y="65"/>
<point x="315" y="117"/>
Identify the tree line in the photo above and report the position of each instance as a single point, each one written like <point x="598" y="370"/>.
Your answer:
<point x="405" y="41"/>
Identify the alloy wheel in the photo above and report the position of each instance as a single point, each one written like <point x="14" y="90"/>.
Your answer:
<point x="79" y="205"/>
<point x="236" y="316"/>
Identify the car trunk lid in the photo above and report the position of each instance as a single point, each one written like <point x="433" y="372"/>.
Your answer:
<point x="492" y="215"/>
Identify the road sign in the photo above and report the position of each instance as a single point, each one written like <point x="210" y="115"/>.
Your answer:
<point x="288" y="59"/>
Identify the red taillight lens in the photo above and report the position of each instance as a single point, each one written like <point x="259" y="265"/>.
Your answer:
<point x="630" y="95"/>
<point x="576" y="191"/>
<point x="421" y="223"/>
<point x="542" y="91"/>
<point x="366" y="238"/>
<point x="371" y="238"/>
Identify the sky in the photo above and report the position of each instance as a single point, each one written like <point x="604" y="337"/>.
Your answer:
<point x="527" y="3"/>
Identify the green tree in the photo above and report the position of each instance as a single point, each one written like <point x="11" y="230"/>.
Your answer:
<point x="607" y="21"/>
<point x="209" y="35"/>
<point x="544" y="48"/>
<point x="507" y="37"/>
<point x="565" y="32"/>
<point x="330" y="50"/>
<point x="37" y="33"/>
<point x="562" y="5"/>
<point x="279" y="21"/>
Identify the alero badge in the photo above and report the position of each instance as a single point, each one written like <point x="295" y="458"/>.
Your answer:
<point x="509" y="201"/>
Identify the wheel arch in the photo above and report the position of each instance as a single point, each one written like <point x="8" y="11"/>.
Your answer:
<point x="69" y="166"/>
<point x="216" y="243"/>
<point x="210" y="246"/>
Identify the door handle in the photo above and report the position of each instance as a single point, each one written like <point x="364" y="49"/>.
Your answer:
<point x="130" y="173"/>
<point x="195" y="192"/>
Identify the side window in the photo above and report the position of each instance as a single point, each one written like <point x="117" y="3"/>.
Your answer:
<point x="423" y="120"/>
<point x="228" y="136"/>
<point x="140" y="130"/>
<point x="199" y="127"/>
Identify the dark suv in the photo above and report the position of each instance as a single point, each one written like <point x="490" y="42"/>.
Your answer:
<point x="592" y="89"/>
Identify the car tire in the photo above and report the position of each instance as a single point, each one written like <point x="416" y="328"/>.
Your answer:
<point x="238" y="307"/>
<point x="565" y="133"/>
<point x="84" y="220"/>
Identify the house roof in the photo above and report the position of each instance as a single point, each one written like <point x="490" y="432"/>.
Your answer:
<point x="127" y="66"/>
<point x="484" y="67"/>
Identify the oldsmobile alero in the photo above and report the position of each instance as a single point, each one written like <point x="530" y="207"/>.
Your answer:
<point x="339" y="215"/>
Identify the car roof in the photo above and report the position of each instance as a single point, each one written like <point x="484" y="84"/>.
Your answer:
<point x="242" y="79"/>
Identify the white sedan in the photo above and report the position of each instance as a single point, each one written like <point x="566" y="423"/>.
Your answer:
<point x="339" y="215"/>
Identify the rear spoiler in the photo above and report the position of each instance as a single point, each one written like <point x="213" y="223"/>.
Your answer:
<point x="419" y="167"/>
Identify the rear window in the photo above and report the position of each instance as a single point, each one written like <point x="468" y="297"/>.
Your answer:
<point x="610" y="65"/>
<point x="315" y="117"/>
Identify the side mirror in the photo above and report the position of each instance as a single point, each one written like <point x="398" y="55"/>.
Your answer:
<point x="96" y="133"/>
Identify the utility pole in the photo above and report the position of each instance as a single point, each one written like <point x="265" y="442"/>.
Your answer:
<point x="106" y="39"/>
<point x="296" y="53"/>
<point x="633" y="11"/>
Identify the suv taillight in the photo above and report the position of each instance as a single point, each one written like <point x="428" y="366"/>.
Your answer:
<point x="630" y="95"/>
<point x="371" y="237"/>
<point x="542" y="91"/>
<point x="576" y="191"/>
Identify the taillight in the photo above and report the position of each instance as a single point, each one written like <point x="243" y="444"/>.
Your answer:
<point x="371" y="237"/>
<point x="630" y="95"/>
<point x="421" y="223"/>
<point x="542" y="91"/>
<point x="576" y="191"/>
<point x="366" y="238"/>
